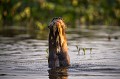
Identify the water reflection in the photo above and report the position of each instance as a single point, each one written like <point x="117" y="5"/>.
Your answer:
<point x="58" y="73"/>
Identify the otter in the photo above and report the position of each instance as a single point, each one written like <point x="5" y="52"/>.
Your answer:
<point x="58" y="50"/>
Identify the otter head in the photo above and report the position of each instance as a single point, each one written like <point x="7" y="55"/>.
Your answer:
<point x="57" y="24"/>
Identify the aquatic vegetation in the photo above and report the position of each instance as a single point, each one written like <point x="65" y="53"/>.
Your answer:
<point x="47" y="52"/>
<point x="78" y="49"/>
<point x="90" y="50"/>
<point x="84" y="50"/>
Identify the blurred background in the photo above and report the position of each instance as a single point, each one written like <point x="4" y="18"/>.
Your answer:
<point x="32" y="16"/>
<point x="93" y="34"/>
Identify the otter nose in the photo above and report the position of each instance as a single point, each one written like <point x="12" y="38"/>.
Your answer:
<point x="48" y="26"/>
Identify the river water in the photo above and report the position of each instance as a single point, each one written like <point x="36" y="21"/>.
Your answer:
<point x="26" y="58"/>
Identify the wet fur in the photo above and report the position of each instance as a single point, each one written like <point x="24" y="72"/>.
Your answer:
<point x="58" y="51"/>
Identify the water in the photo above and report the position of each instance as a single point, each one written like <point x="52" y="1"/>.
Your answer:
<point x="27" y="58"/>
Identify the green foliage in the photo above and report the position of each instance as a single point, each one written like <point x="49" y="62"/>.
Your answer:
<point x="87" y="12"/>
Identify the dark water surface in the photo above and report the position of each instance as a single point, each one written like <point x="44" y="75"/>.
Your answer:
<point x="27" y="58"/>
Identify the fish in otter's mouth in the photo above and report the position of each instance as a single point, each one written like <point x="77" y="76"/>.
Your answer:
<point x="58" y="51"/>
